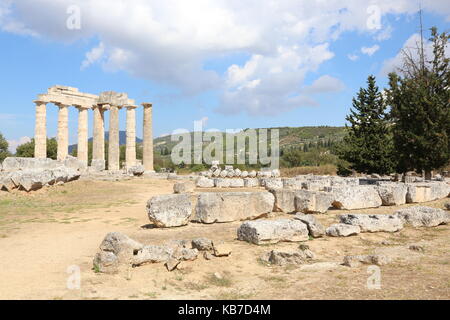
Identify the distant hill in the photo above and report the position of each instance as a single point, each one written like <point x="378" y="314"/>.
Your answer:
<point x="122" y="139"/>
<point x="290" y="137"/>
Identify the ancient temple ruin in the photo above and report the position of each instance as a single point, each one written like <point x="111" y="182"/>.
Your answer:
<point x="64" y="97"/>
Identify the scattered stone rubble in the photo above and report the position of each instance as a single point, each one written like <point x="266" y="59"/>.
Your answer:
<point x="118" y="252"/>
<point x="373" y="222"/>
<point x="376" y="259"/>
<point x="273" y="231"/>
<point x="288" y="257"/>
<point x="316" y="194"/>
<point x="419" y="216"/>
<point x="29" y="174"/>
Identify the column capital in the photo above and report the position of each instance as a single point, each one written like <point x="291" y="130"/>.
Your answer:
<point x="128" y="107"/>
<point x="39" y="102"/>
<point x="61" y="105"/>
<point x="101" y="106"/>
<point x="147" y="104"/>
<point x="82" y="107"/>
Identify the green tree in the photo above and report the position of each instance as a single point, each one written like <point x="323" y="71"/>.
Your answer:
<point x="368" y="144"/>
<point x="4" y="153"/>
<point x="26" y="150"/>
<point x="419" y="97"/>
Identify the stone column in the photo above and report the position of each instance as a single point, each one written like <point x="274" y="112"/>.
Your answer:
<point x="82" y="150"/>
<point x="130" y="155"/>
<point x="40" y="131"/>
<point x="98" y="144"/>
<point x="148" y="137"/>
<point x="113" y="143"/>
<point x="63" y="132"/>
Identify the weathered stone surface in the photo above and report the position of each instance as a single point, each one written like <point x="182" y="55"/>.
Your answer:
<point x="74" y="163"/>
<point x="207" y="255"/>
<point x="236" y="183"/>
<point x="136" y="170"/>
<point x="447" y="206"/>
<point x="292" y="183"/>
<point x="106" y="262"/>
<point x="251" y="182"/>
<point x="171" y="210"/>
<point x="284" y="200"/>
<point x="356" y="261"/>
<point x="342" y="230"/>
<point x="222" y="183"/>
<point x="272" y="183"/>
<point x="244" y="174"/>
<point x="276" y="173"/>
<point x="287" y="257"/>
<point x="424" y="192"/>
<point x="98" y="165"/>
<point x="252" y="174"/>
<point x="273" y="231"/>
<point x="232" y="206"/>
<point x="312" y="201"/>
<point x="355" y="197"/>
<point x="221" y="249"/>
<point x="183" y="187"/>
<point x="172" y="264"/>
<point x="393" y="194"/>
<point x="204" y="182"/>
<point x="185" y="254"/>
<point x="315" y="185"/>
<point x="419" y="216"/>
<point x="315" y="228"/>
<point x="237" y="173"/>
<point x="7" y="180"/>
<point x="120" y="245"/>
<point x="202" y="244"/>
<point x="373" y="222"/>
<point x="17" y="163"/>
<point x="223" y="174"/>
<point x="152" y="254"/>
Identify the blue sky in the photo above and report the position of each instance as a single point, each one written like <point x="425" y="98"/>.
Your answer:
<point x="295" y="64"/>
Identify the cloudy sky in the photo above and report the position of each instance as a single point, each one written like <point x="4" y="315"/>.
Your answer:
<point x="231" y="63"/>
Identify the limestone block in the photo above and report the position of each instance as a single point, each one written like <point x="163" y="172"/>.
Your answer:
<point x="373" y="222"/>
<point x="171" y="210"/>
<point x="232" y="206"/>
<point x="312" y="201"/>
<point x="273" y="231"/>
<point x="392" y="194"/>
<point x="419" y="216"/>
<point x="342" y="230"/>
<point x="355" y="197"/>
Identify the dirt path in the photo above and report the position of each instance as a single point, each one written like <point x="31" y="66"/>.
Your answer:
<point x="34" y="256"/>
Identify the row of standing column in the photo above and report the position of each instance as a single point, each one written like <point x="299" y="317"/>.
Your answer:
<point x="99" y="134"/>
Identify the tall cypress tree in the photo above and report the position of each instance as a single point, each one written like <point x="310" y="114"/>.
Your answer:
<point x="420" y="109"/>
<point x="368" y="144"/>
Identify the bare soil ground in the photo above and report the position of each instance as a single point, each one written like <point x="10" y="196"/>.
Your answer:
<point x="44" y="233"/>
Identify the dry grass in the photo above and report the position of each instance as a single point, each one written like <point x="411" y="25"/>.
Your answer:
<point x="328" y="169"/>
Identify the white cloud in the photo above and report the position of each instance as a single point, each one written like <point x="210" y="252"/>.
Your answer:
<point x="13" y="144"/>
<point x="370" y="50"/>
<point x="93" y="56"/>
<point x="168" y="42"/>
<point x="409" y="46"/>
<point x="325" y="84"/>
<point x="353" y="57"/>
